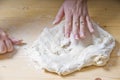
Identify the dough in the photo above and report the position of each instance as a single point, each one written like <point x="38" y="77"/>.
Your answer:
<point x="56" y="53"/>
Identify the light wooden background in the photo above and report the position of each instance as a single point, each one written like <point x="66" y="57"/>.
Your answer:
<point x="25" y="19"/>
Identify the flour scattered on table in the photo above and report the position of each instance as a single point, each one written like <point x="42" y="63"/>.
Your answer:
<point x="55" y="53"/>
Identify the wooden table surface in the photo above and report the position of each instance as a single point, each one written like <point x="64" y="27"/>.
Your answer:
<point x="25" y="19"/>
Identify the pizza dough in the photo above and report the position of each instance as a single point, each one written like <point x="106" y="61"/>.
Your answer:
<point x="56" y="53"/>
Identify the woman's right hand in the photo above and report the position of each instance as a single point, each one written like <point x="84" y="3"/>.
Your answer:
<point x="76" y="18"/>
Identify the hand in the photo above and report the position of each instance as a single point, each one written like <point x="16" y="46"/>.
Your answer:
<point x="76" y="18"/>
<point x="7" y="43"/>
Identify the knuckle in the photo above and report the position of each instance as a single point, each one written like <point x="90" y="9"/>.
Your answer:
<point x="82" y="17"/>
<point x="10" y="49"/>
<point x="3" y="34"/>
<point x="68" y="24"/>
<point x="3" y="51"/>
<point x="68" y="14"/>
<point x="76" y="24"/>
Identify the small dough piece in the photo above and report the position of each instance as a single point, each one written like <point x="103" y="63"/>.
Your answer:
<point x="56" y="53"/>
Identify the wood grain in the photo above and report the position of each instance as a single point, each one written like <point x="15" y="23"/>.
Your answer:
<point x="25" y="19"/>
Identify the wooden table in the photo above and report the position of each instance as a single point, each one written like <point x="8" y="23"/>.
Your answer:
<point x="25" y="19"/>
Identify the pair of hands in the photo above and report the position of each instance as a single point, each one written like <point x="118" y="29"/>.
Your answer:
<point x="76" y="19"/>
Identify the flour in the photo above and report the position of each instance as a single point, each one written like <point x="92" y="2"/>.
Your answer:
<point x="56" y="53"/>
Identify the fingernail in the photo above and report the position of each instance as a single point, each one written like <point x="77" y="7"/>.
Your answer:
<point x="54" y="22"/>
<point x="76" y="37"/>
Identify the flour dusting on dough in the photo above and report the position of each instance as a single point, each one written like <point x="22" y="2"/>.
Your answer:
<point x="55" y="53"/>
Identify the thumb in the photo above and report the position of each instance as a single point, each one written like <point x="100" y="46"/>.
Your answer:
<point x="59" y="15"/>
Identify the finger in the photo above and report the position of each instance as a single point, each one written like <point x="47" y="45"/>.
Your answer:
<point x="76" y="24"/>
<point x="82" y="27"/>
<point x="9" y="45"/>
<point x="59" y="16"/>
<point x="17" y="42"/>
<point x="89" y="24"/>
<point x="68" y="25"/>
<point x="3" y="35"/>
<point x="3" y="48"/>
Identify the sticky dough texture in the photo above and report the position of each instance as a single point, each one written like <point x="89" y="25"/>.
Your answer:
<point x="56" y="53"/>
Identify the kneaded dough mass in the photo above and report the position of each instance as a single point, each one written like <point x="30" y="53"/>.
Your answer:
<point x="56" y="53"/>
